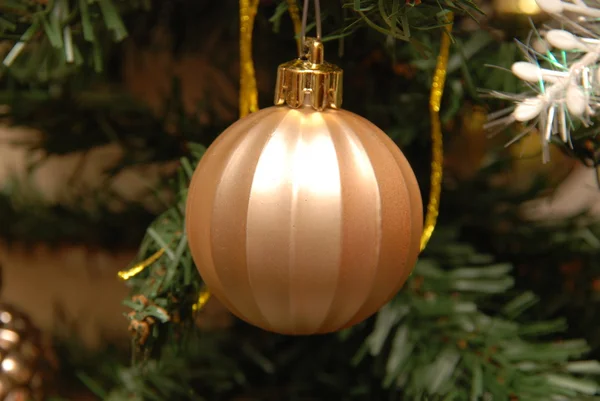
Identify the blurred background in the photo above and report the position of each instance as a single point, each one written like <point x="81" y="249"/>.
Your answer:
<point x="91" y="149"/>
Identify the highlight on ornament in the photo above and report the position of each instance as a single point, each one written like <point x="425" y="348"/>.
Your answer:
<point x="561" y="73"/>
<point x="304" y="218"/>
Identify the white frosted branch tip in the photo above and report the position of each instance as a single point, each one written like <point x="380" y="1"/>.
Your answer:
<point x="568" y="85"/>
<point x="68" y="39"/>
<point x="564" y="40"/>
<point x="581" y="9"/>
<point x="576" y="101"/>
<point x="550" y="6"/>
<point x="527" y="71"/>
<point x="558" y="7"/>
<point x="528" y="109"/>
<point x="13" y="54"/>
<point x="533" y="73"/>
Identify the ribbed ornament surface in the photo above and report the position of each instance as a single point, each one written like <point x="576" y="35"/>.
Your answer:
<point x="304" y="222"/>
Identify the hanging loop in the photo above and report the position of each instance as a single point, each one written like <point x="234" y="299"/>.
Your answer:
<point x="305" y="20"/>
<point x="309" y="80"/>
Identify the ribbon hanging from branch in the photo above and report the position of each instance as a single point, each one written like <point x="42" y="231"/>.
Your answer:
<point x="297" y="21"/>
<point x="248" y="91"/>
<point x="437" y="146"/>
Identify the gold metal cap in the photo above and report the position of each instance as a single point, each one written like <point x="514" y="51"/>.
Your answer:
<point x="309" y="80"/>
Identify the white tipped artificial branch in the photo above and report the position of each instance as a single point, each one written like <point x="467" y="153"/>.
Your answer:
<point x="559" y="7"/>
<point x="567" y="89"/>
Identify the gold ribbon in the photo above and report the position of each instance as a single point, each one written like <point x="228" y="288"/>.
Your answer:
<point x="203" y="299"/>
<point x="138" y="268"/>
<point x="297" y="21"/>
<point x="437" y="148"/>
<point x="248" y="91"/>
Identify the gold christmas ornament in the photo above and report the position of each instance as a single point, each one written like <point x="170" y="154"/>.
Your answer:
<point x="303" y="218"/>
<point x="513" y="17"/>
<point x="528" y="166"/>
<point x="22" y="366"/>
<point x="467" y="149"/>
<point x="516" y="7"/>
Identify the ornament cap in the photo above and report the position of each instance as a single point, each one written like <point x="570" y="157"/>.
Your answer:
<point x="309" y="80"/>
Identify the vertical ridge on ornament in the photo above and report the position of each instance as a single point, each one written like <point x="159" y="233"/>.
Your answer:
<point x="316" y="224"/>
<point x="361" y="229"/>
<point x="268" y="252"/>
<point x="415" y="200"/>
<point x="199" y="234"/>
<point x="293" y="221"/>
<point x="396" y="217"/>
<point x="230" y="211"/>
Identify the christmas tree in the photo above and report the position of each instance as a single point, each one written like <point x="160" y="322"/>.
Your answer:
<point x="304" y="260"/>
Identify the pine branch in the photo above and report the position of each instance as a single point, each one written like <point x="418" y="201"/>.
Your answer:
<point x="170" y="286"/>
<point x="456" y="329"/>
<point x="28" y="217"/>
<point x="399" y="19"/>
<point x="61" y="35"/>
<point x="83" y="120"/>
<point x="80" y="122"/>
<point x="435" y="340"/>
<point x="395" y="19"/>
<point x="203" y="371"/>
<point x="556" y="258"/>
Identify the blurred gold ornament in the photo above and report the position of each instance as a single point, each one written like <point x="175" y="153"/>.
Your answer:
<point x="469" y="148"/>
<point x="516" y="7"/>
<point x="528" y="165"/>
<point x="303" y="218"/>
<point x="23" y="367"/>
<point x="468" y="145"/>
<point x="512" y="18"/>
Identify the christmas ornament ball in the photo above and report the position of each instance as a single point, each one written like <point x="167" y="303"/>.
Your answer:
<point x="304" y="220"/>
<point x="22" y="368"/>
